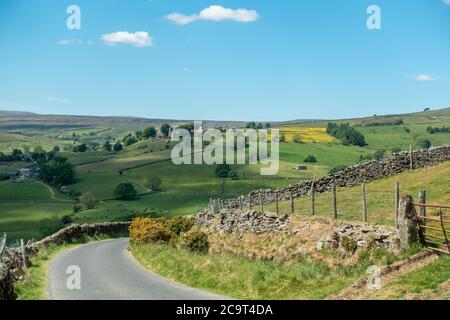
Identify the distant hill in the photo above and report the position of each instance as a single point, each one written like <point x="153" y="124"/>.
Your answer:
<point x="16" y="120"/>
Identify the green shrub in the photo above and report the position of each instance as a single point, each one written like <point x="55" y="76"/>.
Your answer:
<point x="179" y="225"/>
<point x="222" y="170"/>
<point x="425" y="144"/>
<point x="195" y="241"/>
<point x="310" y="159"/>
<point x="234" y="175"/>
<point x="349" y="244"/>
<point x="66" y="219"/>
<point x="4" y="177"/>
<point x="297" y="138"/>
<point x="125" y="191"/>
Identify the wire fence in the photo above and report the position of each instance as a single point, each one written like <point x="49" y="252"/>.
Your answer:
<point x="373" y="203"/>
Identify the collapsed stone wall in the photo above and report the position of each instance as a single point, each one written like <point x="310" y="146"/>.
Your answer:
<point x="350" y="176"/>
<point x="363" y="235"/>
<point x="11" y="262"/>
<point x="229" y="221"/>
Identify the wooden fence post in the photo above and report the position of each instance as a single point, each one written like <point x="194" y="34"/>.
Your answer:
<point x="335" y="213"/>
<point x="2" y="244"/>
<point x="423" y="200"/>
<point x="240" y="203"/>
<point x="250" y="202"/>
<point x="313" y="205"/>
<point x="261" y="205"/>
<point x="397" y="203"/>
<point x="364" y="202"/>
<point x="276" y="203"/>
<point x="24" y="256"/>
<point x="292" y="203"/>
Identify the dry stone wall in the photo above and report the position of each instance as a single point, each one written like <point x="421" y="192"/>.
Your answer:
<point x="229" y="221"/>
<point x="11" y="262"/>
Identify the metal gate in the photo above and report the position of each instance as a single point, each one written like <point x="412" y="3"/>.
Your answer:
<point x="434" y="227"/>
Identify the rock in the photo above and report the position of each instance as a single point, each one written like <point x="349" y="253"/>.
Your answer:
<point x="271" y="215"/>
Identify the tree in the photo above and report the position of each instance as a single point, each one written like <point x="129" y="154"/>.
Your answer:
<point x="165" y="129"/>
<point x="154" y="183"/>
<point x="16" y="154"/>
<point x="56" y="149"/>
<point x="297" y="138"/>
<point x="107" y="146"/>
<point x="149" y="132"/>
<point x="57" y="171"/>
<point x="425" y="144"/>
<point x="282" y="137"/>
<point x="310" y="159"/>
<point x="139" y="134"/>
<point x="80" y="148"/>
<point x="129" y="140"/>
<point x="66" y="219"/>
<point x="125" y="191"/>
<point x="347" y="134"/>
<point x="118" y="146"/>
<point x="88" y="200"/>
<point x="250" y="125"/>
<point x="222" y="170"/>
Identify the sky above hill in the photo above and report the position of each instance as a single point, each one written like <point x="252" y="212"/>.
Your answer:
<point x="226" y="60"/>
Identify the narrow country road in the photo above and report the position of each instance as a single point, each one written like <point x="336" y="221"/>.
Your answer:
<point x="108" y="272"/>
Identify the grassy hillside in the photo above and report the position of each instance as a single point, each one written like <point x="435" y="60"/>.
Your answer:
<point x="184" y="188"/>
<point x="380" y="195"/>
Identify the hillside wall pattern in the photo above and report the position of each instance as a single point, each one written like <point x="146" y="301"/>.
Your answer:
<point x="350" y="176"/>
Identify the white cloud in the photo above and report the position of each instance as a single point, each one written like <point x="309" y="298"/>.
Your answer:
<point x="137" y="39"/>
<point x="182" y="19"/>
<point x="215" y="13"/>
<point x="447" y="2"/>
<point x="59" y="100"/>
<point x="67" y="42"/>
<point x="425" y="77"/>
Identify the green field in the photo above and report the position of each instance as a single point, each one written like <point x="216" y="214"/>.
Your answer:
<point x="187" y="187"/>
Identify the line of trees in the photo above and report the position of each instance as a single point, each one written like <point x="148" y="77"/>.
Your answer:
<point x="38" y="155"/>
<point x="347" y="134"/>
<point x="253" y="125"/>
<point x="433" y="130"/>
<point x="147" y="133"/>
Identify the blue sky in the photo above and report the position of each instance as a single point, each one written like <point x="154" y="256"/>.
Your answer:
<point x="275" y="60"/>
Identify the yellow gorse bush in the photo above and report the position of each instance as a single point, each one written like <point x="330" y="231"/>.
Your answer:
<point x="149" y="230"/>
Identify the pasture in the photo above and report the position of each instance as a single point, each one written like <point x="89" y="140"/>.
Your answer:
<point x="186" y="187"/>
